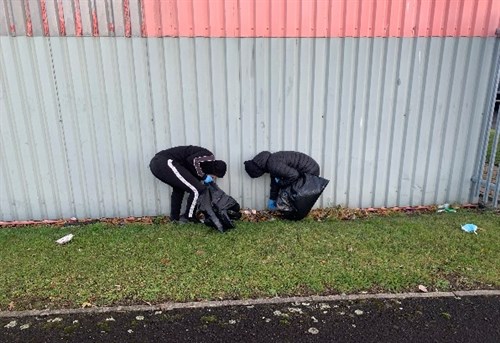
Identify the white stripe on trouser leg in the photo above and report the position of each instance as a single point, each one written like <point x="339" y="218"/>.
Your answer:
<point x="191" y="187"/>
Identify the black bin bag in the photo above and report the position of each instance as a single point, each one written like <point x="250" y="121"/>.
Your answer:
<point x="295" y="201"/>
<point x="219" y="209"/>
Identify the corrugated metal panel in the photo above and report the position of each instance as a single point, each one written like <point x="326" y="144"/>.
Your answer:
<point x="250" y="18"/>
<point x="321" y="18"/>
<point x="390" y="121"/>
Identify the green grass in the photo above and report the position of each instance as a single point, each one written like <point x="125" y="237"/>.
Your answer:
<point x="490" y="147"/>
<point x="136" y="264"/>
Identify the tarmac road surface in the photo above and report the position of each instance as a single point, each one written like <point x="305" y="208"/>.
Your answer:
<point x="448" y="319"/>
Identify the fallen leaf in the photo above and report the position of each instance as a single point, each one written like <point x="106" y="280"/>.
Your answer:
<point x="86" y="304"/>
<point x="12" y="306"/>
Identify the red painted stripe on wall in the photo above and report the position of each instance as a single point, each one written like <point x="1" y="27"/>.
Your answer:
<point x="322" y="18"/>
<point x="251" y="18"/>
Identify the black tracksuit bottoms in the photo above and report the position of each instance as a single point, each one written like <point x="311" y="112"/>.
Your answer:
<point x="181" y="180"/>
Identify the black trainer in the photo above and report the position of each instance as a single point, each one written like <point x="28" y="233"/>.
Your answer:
<point x="187" y="220"/>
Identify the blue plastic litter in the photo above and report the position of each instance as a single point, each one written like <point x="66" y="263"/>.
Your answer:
<point x="471" y="228"/>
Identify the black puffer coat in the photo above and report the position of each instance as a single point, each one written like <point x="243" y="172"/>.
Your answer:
<point x="288" y="166"/>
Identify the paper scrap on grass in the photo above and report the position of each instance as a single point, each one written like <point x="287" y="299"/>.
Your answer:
<point x="65" y="239"/>
<point x="422" y="288"/>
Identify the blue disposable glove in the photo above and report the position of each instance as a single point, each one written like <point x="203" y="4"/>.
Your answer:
<point x="208" y="179"/>
<point x="271" y="205"/>
<point x="277" y="180"/>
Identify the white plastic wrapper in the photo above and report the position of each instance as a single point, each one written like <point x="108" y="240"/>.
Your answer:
<point x="65" y="239"/>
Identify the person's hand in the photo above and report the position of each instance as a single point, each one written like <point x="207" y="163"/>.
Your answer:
<point x="271" y="205"/>
<point x="208" y="179"/>
<point x="277" y="180"/>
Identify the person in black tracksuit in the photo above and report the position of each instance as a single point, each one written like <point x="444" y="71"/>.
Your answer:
<point x="285" y="168"/>
<point x="183" y="168"/>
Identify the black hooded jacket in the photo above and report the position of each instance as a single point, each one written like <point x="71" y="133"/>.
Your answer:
<point x="189" y="157"/>
<point x="288" y="166"/>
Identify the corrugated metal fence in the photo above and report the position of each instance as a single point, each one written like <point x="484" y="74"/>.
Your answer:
<point x="249" y="18"/>
<point x="486" y="178"/>
<point x="391" y="120"/>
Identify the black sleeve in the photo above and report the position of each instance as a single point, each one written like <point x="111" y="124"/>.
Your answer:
<point x="279" y="168"/>
<point x="197" y="158"/>
<point x="275" y="188"/>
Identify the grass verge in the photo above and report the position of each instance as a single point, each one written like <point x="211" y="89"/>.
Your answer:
<point x="136" y="264"/>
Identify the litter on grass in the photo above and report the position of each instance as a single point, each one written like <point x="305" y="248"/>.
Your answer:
<point x="422" y="288"/>
<point x="471" y="228"/>
<point x="65" y="239"/>
<point x="446" y="208"/>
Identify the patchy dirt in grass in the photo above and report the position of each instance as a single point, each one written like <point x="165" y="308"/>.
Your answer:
<point x="248" y="215"/>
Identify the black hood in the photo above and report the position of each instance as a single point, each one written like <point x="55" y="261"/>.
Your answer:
<point x="261" y="159"/>
<point x="217" y="168"/>
<point x="257" y="166"/>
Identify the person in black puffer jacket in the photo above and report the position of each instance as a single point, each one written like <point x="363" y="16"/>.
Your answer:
<point x="285" y="168"/>
<point x="183" y="168"/>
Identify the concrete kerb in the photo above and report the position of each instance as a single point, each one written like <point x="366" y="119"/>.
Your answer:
<point x="248" y="302"/>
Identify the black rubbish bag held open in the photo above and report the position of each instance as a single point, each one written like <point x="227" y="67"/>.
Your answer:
<point x="218" y="208"/>
<point x="295" y="201"/>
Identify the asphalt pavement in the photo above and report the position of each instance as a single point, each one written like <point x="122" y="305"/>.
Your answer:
<point x="386" y="319"/>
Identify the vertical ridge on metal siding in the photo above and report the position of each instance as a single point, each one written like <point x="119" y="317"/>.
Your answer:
<point x="35" y="163"/>
<point x="350" y="112"/>
<point x="114" y="140"/>
<point x="74" y="110"/>
<point x="202" y="89"/>
<point x="330" y="130"/>
<point x="345" y="116"/>
<point x="159" y="111"/>
<point x="444" y="172"/>
<point x="134" y="118"/>
<point x="20" y="133"/>
<point x="263" y="94"/>
<point x="365" y="161"/>
<point x="451" y="122"/>
<point x="235" y="128"/>
<point x="8" y="205"/>
<point x="318" y="104"/>
<point x="440" y="107"/>
<point x="399" y="181"/>
<point x="412" y="190"/>
<point x="99" y="128"/>
<point x="305" y="89"/>
<point x="247" y="108"/>
<point x="220" y="123"/>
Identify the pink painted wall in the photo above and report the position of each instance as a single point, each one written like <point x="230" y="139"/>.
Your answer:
<point x="251" y="18"/>
<point x="321" y="18"/>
